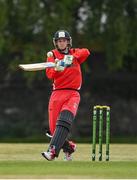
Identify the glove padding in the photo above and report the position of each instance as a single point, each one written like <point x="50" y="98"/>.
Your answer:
<point x="59" y="65"/>
<point x="68" y="60"/>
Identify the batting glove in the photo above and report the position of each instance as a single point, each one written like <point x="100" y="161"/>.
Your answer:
<point x="59" y="65"/>
<point x="68" y="60"/>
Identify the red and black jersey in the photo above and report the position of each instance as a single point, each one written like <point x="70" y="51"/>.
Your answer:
<point x="71" y="77"/>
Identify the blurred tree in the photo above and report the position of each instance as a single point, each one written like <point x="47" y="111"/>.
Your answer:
<point x="2" y="25"/>
<point x="110" y="27"/>
<point x="116" y="34"/>
<point x="27" y="27"/>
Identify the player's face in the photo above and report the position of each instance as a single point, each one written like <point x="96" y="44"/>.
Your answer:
<point x="62" y="43"/>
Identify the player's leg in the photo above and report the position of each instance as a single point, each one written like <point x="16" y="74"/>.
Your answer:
<point x="63" y="125"/>
<point x="69" y="147"/>
<point x="53" y="111"/>
<point x="61" y="132"/>
<point x="54" y="108"/>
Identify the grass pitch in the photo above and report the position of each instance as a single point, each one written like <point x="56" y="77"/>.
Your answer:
<point x="25" y="161"/>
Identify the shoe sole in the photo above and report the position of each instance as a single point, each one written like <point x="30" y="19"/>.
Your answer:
<point x="43" y="154"/>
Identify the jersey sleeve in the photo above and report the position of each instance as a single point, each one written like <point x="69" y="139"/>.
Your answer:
<point x="81" y="54"/>
<point x="50" y="72"/>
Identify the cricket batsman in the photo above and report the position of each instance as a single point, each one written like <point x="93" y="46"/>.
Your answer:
<point x="65" y="97"/>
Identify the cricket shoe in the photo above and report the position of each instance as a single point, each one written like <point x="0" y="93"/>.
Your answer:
<point x="68" y="155"/>
<point x="50" y="154"/>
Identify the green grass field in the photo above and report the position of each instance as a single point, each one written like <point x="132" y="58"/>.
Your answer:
<point x="25" y="161"/>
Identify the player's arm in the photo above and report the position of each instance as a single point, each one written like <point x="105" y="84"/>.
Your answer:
<point x="53" y="72"/>
<point x="81" y="54"/>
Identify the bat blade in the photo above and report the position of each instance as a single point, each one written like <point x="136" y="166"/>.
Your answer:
<point x="36" y="66"/>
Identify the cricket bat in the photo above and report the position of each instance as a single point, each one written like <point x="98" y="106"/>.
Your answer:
<point x="36" y="66"/>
